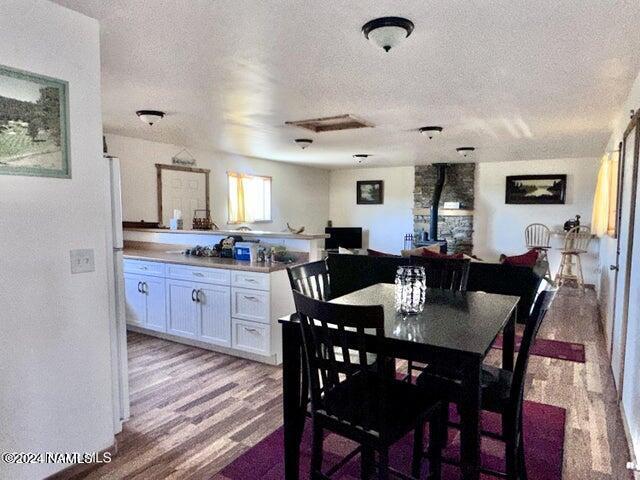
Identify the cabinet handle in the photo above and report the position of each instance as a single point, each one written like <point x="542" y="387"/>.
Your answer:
<point x="250" y="280"/>
<point x="145" y="288"/>
<point x="193" y="295"/>
<point x="144" y="267"/>
<point x="250" y="297"/>
<point x="251" y="330"/>
<point x="139" y="287"/>
<point x="198" y="274"/>
<point x="198" y="292"/>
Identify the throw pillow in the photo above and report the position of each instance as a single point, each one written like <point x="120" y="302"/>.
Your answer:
<point x="376" y="253"/>
<point x="430" y="254"/>
<point x="416" y="252"/>
<point x="528" y="259"/>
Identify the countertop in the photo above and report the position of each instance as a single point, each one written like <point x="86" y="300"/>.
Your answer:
<point x="243" y="233"/>
<point x="171" y="255"/>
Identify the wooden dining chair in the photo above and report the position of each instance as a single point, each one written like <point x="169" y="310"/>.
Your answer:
<point x="445" y="274"/>
<point x="576" y="243"/>
<point x="311" y="279"/>
<point x="357" y="399"/>
<point x="537" y="236"/>
<point x="502" y="392"/>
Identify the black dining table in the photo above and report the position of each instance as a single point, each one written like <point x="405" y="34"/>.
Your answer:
<point x="454" y="329"/>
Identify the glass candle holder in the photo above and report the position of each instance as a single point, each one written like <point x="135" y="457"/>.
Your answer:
<point x="411" y="290"/>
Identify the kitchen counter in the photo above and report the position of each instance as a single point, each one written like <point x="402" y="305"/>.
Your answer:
<point x="242" y="233"/>
<point x="171" y="254"/>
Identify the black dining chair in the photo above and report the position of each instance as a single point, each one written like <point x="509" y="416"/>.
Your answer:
<point x="356" y="398"/>
<point x="445" y="274"/>
<point x="311" y="279"/>
<point x="502" y="392"/>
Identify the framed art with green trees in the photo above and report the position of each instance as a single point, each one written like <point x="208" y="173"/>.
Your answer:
<point x="34" y="125"/>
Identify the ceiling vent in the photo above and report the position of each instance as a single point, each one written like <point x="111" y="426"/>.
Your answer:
<point x="329" y="124"/>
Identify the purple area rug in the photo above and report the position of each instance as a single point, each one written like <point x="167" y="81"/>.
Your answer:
<point x="544" y="347"/>
<point x="544" y="443"/>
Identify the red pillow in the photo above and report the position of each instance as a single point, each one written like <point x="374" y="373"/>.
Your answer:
<point x="430" y="254"/>
<point x="376" y="253"/>
<point x="528" y="259"/>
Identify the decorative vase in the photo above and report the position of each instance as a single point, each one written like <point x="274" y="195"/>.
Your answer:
<point x="410" y="290"/>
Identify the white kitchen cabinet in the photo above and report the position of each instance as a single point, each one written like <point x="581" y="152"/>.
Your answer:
<point x="145" y="301"/>
<point x="215" y="314"/>
<point x="182" y="308"/>
<point x="250" y="305"/>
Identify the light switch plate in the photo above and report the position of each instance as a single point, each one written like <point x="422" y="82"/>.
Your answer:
<point x="82" y="261"/>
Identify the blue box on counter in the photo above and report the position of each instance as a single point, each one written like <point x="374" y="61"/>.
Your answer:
<point x="242" y="252"/>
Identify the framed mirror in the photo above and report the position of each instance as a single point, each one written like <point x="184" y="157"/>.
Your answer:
<point x="181" y="188"/>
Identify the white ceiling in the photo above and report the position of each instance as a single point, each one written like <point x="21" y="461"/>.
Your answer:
<point x="518" y="80"/>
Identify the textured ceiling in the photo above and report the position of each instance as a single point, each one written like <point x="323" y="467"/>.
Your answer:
<point x="518" y="80"/>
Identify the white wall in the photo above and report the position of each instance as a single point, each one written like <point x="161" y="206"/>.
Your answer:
<point x="499" y="228"/>
<point x="299" y="194"/>
<point x="55" y="372"/>
<point x="384" y="225"/>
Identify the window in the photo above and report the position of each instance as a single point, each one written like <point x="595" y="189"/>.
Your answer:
<point x="249" y="198"/>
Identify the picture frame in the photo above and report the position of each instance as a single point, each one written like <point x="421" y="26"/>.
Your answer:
<point x="369" y="192"/>
<point x="34" y="125"/>
<point x="536" y="189"/>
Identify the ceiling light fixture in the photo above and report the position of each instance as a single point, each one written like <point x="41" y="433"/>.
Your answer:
<point x="150" y="116"/>
<point x="303" y="142"/>
<point x="387" y="32"/>
<point x="465" y="152"/>
<point x="430" y="132"/>
<point x="361" y="157"/>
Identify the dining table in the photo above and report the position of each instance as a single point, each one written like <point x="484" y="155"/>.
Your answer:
<point x="455" y="329"/>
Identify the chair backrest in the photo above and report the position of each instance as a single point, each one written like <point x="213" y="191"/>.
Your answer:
<point x="537" y="235"/>
<point x="540" y="308"/>
<point x="354" y="272"/>
<point x="336" y="350"/>
<point x="445" y="273"/>
<point x="578" y="238"/>
<point x="311" y="279"/>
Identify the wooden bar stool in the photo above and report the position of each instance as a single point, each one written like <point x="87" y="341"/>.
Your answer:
<point x="576" y="243"/>
<point x="537" y="236"/>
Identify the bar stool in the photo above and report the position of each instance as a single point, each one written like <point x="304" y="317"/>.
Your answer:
<point x="576" y="243"/>
<point x="537" y="236"/>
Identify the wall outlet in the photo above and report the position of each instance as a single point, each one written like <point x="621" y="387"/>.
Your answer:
<point x="82" y="261"/>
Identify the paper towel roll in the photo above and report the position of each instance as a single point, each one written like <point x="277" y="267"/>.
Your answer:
<point x="177" y="214"/>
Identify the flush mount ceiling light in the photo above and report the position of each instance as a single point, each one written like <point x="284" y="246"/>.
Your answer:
<point x="150" y="116"/>
<point x="303" y="142"/>
<point x="387" y="32"/>
<point x="430" y="132"/>
<point x="361" y="157"/>
<point x="465" y="152"/>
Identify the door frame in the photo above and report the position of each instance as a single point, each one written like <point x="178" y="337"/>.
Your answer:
<point x="634" y="123"/>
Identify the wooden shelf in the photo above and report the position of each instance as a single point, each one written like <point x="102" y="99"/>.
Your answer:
<point x="445" y="212"/>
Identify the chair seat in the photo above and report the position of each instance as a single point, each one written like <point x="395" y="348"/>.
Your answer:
<point x="571" y="251"/>
<point x="405" y="403"/>
<point x="495" y="382"/>
<point x="539" y="247"/>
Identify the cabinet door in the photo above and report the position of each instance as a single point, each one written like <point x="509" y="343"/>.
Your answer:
<point x="215" y="314"/>
<point x="156" y="303"/>
<point x="182" y="308"/>
<point x="135" y="302"/>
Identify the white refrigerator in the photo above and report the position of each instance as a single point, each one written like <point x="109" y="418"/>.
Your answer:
<point x="117" y="301"/>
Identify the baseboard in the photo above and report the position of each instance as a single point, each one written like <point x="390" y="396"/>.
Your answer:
<point x="77" y="470"/>
<point x="632" y="454"/>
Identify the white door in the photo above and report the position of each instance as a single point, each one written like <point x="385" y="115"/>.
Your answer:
<point x="181" y="190"/>
<point x="182" y="308"/>
<point x="156" y="303"/>
<point x="625" y="241"/>
<point x="135" y="302"/>
<point x="215" y="314"/>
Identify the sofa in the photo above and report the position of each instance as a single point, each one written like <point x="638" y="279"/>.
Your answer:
<point x="353" y="272"/>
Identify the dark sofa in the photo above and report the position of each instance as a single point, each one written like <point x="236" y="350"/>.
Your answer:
<point x="353" y="272"/>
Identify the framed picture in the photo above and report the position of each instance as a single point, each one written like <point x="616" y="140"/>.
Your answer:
<point x="536" y="189"/>
<point x="369" y="192"/>
<point x="34" y="125"/>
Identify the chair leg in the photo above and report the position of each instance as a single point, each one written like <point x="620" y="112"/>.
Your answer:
<point x="511" y="449"/>
<point x="409" y="371"/>
<point x="367" y="462"/>
<point x="560" y="271"/>
<point x="522" y="463"/>
<point x="579" y="272"/>
<point x="383" y="464"/>
<point x="438" y="436"/>
<point x="316" y="452"/>
<point x="418" y="442"/>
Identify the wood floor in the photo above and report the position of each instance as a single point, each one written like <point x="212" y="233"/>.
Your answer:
<point x="194" y="411"/>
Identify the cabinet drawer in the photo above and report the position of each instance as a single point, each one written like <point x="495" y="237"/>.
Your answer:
<point x="199" y="274"/>
<point x="258" y="281"/>
<point x="143" y="267"/>
<point x="251" y="337"/>
<point x="250" y="305"/>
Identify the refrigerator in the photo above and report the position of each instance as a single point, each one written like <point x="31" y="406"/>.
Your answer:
<point x="118" y="327"/>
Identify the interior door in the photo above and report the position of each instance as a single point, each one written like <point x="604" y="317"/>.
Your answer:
<point x="135" y="303"/>
<point x="185" y="191"/>
<point x="215" y="320"/>
<point x="182" y="308"/>
<point x="626" y="219"/>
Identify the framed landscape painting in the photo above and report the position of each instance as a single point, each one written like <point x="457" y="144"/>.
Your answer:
<point x="369" y="192"/>
<point x="536" y="189"/>
<point x="34" y="128"/>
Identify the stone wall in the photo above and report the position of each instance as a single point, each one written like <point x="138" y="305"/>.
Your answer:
<point x="458" y="187"/>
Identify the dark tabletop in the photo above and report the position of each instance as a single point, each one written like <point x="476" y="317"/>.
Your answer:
<point x="467" y="322"/>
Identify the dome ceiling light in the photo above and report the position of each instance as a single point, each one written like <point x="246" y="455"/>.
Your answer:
<point x="430" y="132"/>
<point x="465" y="152"/>
<point x="303" y="142"/>
<point x="150" y="116"/>
<point x="361" y="157"/>
<point x="387" y="32"/>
